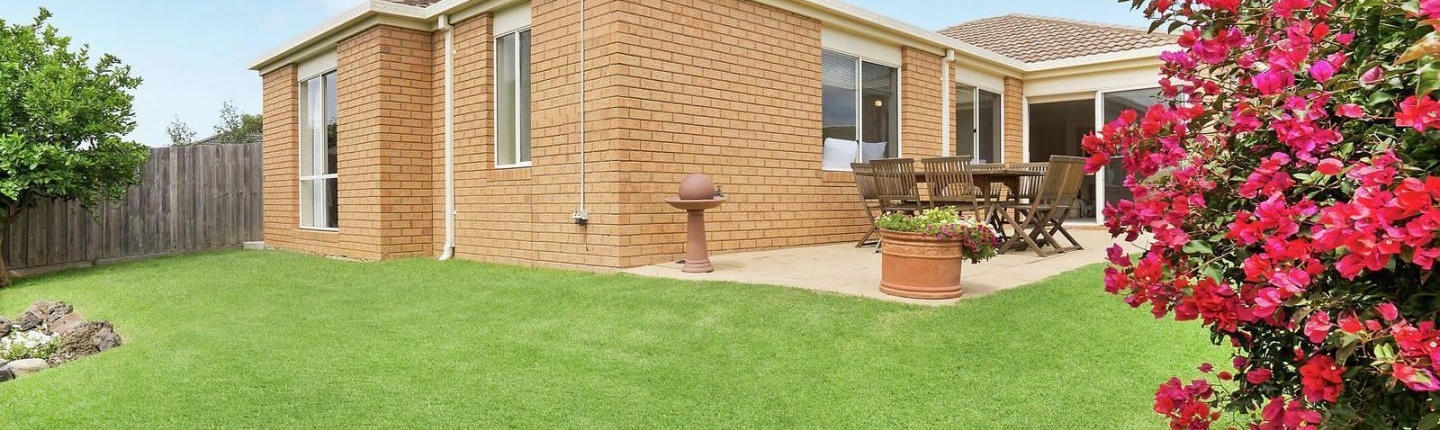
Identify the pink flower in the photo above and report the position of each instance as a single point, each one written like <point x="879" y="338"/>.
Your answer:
<point x="1350" y="110"/>
<point x="1430" y="8"/>
<point x="1372" y="76"/>
<point x="1321" y="379"/>
<point x="1330" y="167"/>
<point x="1233" y="6"/>
<point x="1388" y="311"/>
<point x="1267" y="301"/>
<point x="1350" y="324"/>
<point x="1258" y="376"/>
<point x="1322" y="71"/>
<point x="1418" y="113"/>
<point x="1273" y="81"/>
<point x="1345" y="38"/>
<point x="1317" y="328"/>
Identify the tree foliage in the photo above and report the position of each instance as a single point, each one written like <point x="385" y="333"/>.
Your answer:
<point x="62" y="121"/>
<point x="180" y="133"/>
<point x="236" y="127"/>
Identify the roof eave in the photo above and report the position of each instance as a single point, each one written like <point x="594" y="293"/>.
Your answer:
<point x="366" y="11"/>
<point x="1149" y="56"/>
<point x="914" y="34"/>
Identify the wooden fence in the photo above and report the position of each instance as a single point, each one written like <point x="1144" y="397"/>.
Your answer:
<point x="189" y="198"/>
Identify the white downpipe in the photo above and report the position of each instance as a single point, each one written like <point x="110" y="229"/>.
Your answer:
<point x="449" y="251"/>
<point x="581" y="209"/>
<point x="945" y="107"/>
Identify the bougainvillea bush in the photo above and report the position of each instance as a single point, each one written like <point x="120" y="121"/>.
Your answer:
<point x="1286" y="191"/>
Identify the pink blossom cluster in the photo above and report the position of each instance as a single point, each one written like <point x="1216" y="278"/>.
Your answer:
<point x="1275" y="192"/>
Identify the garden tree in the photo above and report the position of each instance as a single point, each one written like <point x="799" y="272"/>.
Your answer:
<point x="180" y="133"/>
<point x="236" y="127"/>
<point x="62" y="119"/>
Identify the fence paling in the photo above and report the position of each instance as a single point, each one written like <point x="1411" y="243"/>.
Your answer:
<point x="189" y="199"/>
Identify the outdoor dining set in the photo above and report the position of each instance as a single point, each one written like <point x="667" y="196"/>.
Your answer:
<point x="1032" y="200"/>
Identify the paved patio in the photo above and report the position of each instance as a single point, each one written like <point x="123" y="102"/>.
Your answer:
<point x="845" y="269"/>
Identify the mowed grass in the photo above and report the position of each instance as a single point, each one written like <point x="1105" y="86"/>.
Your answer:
<point x="271" y="340"/>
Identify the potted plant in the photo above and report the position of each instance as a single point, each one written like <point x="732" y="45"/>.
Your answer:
<point x="922" y="253"/>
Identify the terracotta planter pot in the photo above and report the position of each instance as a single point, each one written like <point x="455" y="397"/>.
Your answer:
<point x="919" y="266"/>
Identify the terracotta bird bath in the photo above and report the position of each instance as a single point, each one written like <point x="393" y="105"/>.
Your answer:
<point x="697" y="194"/>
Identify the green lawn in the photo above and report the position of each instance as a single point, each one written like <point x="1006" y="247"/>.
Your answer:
<point x="278" y="340"/>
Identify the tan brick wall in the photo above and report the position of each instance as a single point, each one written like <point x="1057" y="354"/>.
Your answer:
<point x="921" y="93"/>
<point x="383" y="155"/>
<point x="522" y="215"/>
<point x="1014" y="120"/>
<point x="730" y="88"/>
<point x="282" y="168"/>
<point x="386" y="148"/>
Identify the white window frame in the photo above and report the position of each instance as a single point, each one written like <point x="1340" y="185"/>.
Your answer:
<point x="300" y="151"/>
<point x="518" y="87"/>
<point x="860" y="99"/>
<point x="975" y="119"/>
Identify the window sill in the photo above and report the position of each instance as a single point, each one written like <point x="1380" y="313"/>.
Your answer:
<point x="320" y="230"/>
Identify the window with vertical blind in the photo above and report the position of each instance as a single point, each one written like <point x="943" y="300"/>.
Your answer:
<point x="861" y="112"/>
<point x="512" y="99"/>
<point x="319" y="207"/>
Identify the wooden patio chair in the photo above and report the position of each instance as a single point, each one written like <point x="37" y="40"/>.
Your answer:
<point x="1045" y="214"/>
<point x="896" y="186"/>
<point x="951" y="185"/>
<point x="869" y="197"/>
<point x="1029" y="185"/>
<point x="1075" y="168"/>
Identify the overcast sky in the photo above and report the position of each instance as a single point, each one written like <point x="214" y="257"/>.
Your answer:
<point x="193" y="55"/>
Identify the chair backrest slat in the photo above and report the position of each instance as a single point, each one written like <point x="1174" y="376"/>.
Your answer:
<point x="1030" y="185"/>
<point x="950" y="180"/>
<point x="865" y="180"/>
<point x="1060" y="187"/>
<point x="895" y="179"/>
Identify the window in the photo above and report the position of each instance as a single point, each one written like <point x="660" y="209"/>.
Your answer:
<point x="512" y="101"/>
<point x="861" y="111"/>
<point x="978" y="124"/>
<point x="318" y="179"/>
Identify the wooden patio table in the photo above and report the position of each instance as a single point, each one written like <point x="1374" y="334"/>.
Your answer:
<point x="1007" y="176"/>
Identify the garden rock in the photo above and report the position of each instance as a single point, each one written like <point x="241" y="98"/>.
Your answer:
<point x="58" y="311"/>
<point x="87" y="339"/>
<point x="73" y="337"/>
<point x="28" y="321"/>
<point x="65" y="323"/>
<point x="40" y="308"/>
<point x="26" y="366"/>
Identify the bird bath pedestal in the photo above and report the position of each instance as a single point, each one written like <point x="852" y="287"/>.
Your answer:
<point x="697" y="254"/>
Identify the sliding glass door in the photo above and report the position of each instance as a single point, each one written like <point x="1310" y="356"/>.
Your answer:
<point x="1112" y="178"/>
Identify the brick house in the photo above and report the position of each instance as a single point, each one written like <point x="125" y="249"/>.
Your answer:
<point x="516" y="118"/>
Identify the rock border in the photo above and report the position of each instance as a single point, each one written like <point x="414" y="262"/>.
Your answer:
<point x="78" y="338"/>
